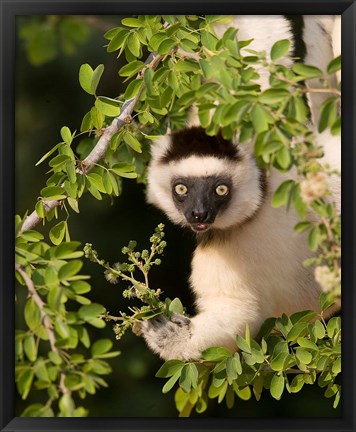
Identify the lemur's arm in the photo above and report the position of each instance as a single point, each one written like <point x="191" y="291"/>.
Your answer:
<point x="185" y="339"/>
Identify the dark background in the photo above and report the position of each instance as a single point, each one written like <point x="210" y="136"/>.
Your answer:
<point x="49" y="97"/>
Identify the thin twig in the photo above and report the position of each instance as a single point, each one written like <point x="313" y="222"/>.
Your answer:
<point x="99" y="150"/>
<point x="47" y="323"/>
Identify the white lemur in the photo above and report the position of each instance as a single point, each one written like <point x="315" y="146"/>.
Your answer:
<point x="248" y="262"/>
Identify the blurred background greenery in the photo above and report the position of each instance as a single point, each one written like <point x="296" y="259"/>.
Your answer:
<point x="49" y="53"/>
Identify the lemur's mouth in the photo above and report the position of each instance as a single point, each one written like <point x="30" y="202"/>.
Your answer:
<point x="200" y="226"/>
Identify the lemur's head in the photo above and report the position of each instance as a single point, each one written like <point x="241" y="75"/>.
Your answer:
<point x="202" y="181"/>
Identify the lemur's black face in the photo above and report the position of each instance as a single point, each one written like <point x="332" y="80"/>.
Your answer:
<point x="201" y="198"/>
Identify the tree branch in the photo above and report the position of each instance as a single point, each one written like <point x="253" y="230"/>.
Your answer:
<point x="100" y="149"/>
<point x="47" y="323"/>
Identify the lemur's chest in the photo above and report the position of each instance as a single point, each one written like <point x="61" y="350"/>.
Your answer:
<point x="264" y="259"/>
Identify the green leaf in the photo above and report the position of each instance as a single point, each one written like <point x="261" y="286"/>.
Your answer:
<point x="166" y="45"/>
<point x="96" y="322"/>
<point x="88" y="312"/>
<point x="302" y="226"/>
<point x="328" y="114"/>
<point x="55" y="358"/>
<point x="326" y="301"/>
<point x="336" y="367"/>
<point x="169" y="368"/>
<point x="183" y="404"/>
<point x="336" y="127"/>
<point x="119" y="40"/>
<point x="334" y="65"/>
<point x="280" y="49"/>
<point x="303" y="356"/>
<point x="297" y="383"/>
<point x="30" y="348"/>
<point x="24" y="382"/>
<point x="132" y="22"/>
<point x="306" y="343"/>
<point x="259" y="118"/>
<point x="33" y="319"/>
<point x="274" y="96"/>
<point x="307" y="71"/>
<point x="333" y="326"/>
<point x="231" y="372"/>
<point x="66" y="405"/>
<point x="101" y="346"/>
<point x="319" y="330"/>
<point x="84" y="336"/>
<point x="86" y="124"/>
<point x="216" y="354"/>
<point x="170" y="383"/>
<point x="96" y="181"/>
<point x="299" y="329"/>
<point x="70" y="269"/>
<point x="280" y="197"/>
<point x="57" y="233"/>
<point x="132" y="142"/>
<point x="107" y="183"/>
<point x="133" y="45"/>
<point x="314" y="238"/>
<point x="303" y="316"/>
<point x="176" y="306"/>
<point x="96" y="78"/>
<point x="62" y="328"/>
<point x="277" y="386"/>
<point x="131" y="68"/>
<point x="68" y="250"/>
<point x="85" y="78"/>
<point x="133" y="88"/>
<point x="277" y="364"/>
<point x="283" y="157"/>
<point x="97" y="118"/>
<point x="108" y="107"/>
<point x="243" y="393"/>
<point x="32" y="236"/>
<point x="49" y="153"/>
<point x="66" y="135"/>
<point x="242" y="344"/>
<point x="70" y="169"/>
<point x="237" y="363"/>
<point x="53" y="193"/>
<point x="58" y="161"/>
<point x="185" y="380"/>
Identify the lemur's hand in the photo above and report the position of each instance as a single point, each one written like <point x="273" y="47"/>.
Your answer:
<point x="168" y="338"/>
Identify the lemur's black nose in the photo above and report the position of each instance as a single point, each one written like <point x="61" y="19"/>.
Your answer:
<point x="199" y="215"/>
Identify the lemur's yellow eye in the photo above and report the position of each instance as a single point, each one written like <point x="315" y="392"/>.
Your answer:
<point x="181" y="189"/>
<point x="222" y="190"/>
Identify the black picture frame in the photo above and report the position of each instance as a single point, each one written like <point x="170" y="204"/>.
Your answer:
<point x="9" y="9"/>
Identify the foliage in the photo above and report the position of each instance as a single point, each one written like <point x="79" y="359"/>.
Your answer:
<point x="189" y="64"/>
<point x="44" y="37"/>
<point x="290" y="352"/>
<point x="47" y="351"/>
<point x="141" y="261"/>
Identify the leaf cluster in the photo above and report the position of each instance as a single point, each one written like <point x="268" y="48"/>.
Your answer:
<point x="45" y="37"/>
<point x="56" y="312"/>
<point x="137" y="262"/>
<point x="288" y="353"/>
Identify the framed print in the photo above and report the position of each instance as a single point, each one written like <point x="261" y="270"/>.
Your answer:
<point x="173" y="172"/>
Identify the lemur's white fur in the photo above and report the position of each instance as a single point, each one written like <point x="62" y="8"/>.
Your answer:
<point x="252" y="268"/>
